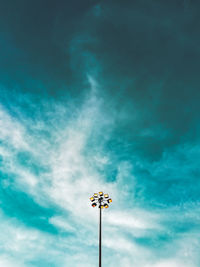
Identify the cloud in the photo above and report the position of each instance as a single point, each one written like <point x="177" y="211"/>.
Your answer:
<point x="58" y="172"/>
<point x="99" y="96"/>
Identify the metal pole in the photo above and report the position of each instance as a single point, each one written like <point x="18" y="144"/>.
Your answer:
<point x="100" y="234"/>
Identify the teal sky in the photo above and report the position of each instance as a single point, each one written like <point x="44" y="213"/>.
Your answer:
<point x="99" y="95"/>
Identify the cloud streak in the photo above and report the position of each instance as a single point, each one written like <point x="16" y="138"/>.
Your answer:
<point x="56" y="173"/>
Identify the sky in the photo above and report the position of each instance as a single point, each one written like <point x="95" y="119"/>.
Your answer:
<point x="99" y="95"/>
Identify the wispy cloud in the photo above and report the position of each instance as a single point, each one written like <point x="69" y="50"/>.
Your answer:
<point x="57" y="167"/>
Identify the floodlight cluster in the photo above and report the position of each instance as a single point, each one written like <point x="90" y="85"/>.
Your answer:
<point x="101" y="200"/>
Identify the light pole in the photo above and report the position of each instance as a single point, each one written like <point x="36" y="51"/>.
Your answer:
<point x="101" y="200"/>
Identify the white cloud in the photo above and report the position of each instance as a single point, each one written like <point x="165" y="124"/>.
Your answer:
<point x="12" y="132"/>
<point x="70" y="178"/>
<point x="170" y="263"/>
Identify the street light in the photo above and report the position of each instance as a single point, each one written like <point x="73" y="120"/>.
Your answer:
<point x="101" y="200"/>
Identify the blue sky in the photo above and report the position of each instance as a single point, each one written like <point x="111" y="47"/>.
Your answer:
<point x="99" y="95"/>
